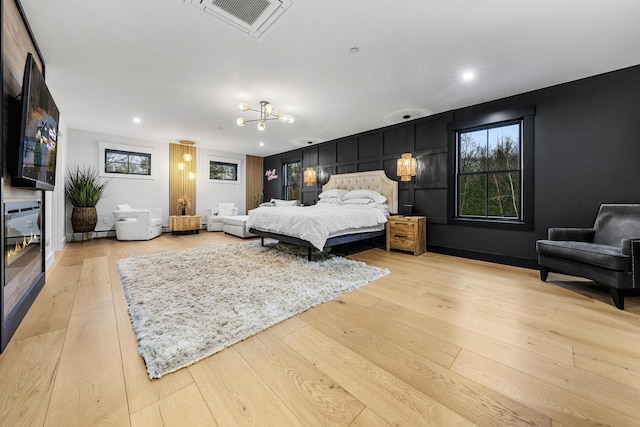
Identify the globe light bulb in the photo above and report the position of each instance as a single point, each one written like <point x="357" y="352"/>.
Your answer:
<point x="243" y="107"/>
<point x="191" y="175"/>
<point x="241" y="121"/>
<point x="187" y="157"/>
<point x="261" y="126"/>
<point x="181" y="166"/>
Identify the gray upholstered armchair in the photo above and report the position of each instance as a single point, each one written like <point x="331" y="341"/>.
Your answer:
<point x="608" y="253"/>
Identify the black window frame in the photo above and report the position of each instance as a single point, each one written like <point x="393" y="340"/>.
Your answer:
<point x="485" y="120"/>
<point x="219" y="163"/>
<point x="286" y="180"/>
<point x="129" y="154"/>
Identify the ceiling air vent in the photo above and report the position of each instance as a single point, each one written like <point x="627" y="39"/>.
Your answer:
<point x="252" y="17"/>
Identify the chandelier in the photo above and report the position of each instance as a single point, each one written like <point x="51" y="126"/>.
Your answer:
<point x="266" y="113"/>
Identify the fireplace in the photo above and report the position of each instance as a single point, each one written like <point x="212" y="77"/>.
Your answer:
<point x="23" y="248"/>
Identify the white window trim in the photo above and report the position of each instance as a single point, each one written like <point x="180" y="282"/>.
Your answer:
<point x="103" y="146"/>
<point x="237" y="162"/>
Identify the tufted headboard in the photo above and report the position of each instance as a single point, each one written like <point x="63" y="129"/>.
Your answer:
<point x="372" y="180"/>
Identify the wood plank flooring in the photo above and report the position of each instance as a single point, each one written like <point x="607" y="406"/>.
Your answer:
<point x="441" y="341"/>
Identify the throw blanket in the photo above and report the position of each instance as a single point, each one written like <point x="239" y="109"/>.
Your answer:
<point x="315" y="224"/>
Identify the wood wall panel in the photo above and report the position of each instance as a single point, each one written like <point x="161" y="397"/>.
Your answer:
<point x="179" y="183"/>
<point x="254" y="180"/>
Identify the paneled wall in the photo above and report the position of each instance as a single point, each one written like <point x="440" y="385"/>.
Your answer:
<point x="586" y="151"/>
<point x="254" y="180"/>
<point x="181" y="185"/>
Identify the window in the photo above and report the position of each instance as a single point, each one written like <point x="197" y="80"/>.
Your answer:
<point x="489" y="172"/>
<point x="223" y="171"/>
<point x="291" y="180"/>
<point x="127" y="162"/>
<point x="491" y="158"/>
<point x="123" y="161"/>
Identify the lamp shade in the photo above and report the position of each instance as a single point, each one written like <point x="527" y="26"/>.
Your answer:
<point x="309" y="176"/>
<point x="406" y="167"/>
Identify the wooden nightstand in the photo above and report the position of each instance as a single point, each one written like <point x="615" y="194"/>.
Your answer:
<point x="180" y="224"/>
<point x="407" y="233"/>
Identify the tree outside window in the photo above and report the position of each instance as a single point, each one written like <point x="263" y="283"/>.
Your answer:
<point x="223" y="171"/>
<point x="291" y="180"/>
<point x="127" y="162"/>
<point x="489" y="172"/>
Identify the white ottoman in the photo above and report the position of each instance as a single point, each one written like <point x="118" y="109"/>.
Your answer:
<point x="236" y="225"/>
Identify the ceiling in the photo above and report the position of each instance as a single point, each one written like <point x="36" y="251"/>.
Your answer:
<point x="183" y="72"/>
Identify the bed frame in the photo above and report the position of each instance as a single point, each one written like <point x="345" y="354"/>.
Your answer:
<point x="372" y="180"/>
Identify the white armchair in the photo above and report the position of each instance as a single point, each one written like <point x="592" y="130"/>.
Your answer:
<point x="137" y="224"/>
<point x="215" y="216"/>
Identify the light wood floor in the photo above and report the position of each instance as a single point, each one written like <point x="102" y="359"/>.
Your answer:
<point x="440" y="341"/>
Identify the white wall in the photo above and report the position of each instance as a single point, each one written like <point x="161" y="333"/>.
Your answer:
<point x="210" y="193"/>
<point x="83" y="150"/>
<point x="55" y="202"/>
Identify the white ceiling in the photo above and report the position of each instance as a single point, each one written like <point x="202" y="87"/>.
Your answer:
<point x="184" y="72"/>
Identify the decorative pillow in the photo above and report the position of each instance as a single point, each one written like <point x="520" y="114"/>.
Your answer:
<point x="285" y="203"/>
<point x="335" y="192"/>
<point x="371" y="194"/>
<point x="267" y="205"/>
<point x="225" y="209"/>
<point x="123" y="207"/>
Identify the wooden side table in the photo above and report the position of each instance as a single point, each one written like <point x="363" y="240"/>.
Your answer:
<point x="407" y="233"/>
<point x="182" y="224"/>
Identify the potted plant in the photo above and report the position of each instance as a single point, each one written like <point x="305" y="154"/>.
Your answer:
<point x="83" y="189"/>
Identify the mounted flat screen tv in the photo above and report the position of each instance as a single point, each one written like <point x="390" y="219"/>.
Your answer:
<point x="32" y="159"/>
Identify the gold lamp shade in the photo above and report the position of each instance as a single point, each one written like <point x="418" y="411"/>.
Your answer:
<point x="406" y="167"/>
<point x="309" y="176"/>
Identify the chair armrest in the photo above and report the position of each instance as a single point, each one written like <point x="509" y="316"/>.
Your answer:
<point x="572" y="234"/>
<point x="212" y="212"/>
<point x="634" y="245"/>
<point x="625" y="245"/>
<point x="132" y="213"/>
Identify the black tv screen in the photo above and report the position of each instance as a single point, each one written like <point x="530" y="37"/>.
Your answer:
<point x="34" y="159"/>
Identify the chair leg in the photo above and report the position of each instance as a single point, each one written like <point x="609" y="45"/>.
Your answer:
<point x="618" y="297"/>
<point x="544" y="273"/>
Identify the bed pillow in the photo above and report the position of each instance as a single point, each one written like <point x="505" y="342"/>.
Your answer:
<point x="267" y="205"/>
<point x="358" y="201"/>
<point x="334" y="192"/>
<point x="284" y="203"/>
<point x="123" y="207"/>
<point x="359" y="194"/>
<point x="329" y="200"/>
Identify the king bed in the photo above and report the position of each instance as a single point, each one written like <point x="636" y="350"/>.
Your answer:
<point x="333" y="221"/>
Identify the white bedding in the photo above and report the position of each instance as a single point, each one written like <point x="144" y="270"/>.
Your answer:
<point x="316" y="224"/>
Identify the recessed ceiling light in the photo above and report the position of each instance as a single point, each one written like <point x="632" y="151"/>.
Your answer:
<point x="262" y="144"/>
<point x="137" y="120"/>
<point x="468" y="76"/>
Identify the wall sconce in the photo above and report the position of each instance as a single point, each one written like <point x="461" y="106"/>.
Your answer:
<point x="406" y="167"/>
<point x="309" y="176"/>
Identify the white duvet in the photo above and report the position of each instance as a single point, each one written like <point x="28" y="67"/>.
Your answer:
<point x="315" y="224"/>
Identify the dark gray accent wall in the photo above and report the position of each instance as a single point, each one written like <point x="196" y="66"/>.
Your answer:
<point x="586" y="152"/>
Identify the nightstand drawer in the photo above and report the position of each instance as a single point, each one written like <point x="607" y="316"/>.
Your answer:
<point x="403" y="227"/>
<point x="403" y="244"/>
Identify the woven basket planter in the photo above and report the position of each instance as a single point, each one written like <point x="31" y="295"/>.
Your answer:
<point x="84" y="220"/>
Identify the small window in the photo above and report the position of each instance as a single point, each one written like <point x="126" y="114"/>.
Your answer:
<point x="127" y="162"/>
<point x="223" y="171"/>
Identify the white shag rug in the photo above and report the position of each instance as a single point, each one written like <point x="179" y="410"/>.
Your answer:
<point x="188" y="305"/>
